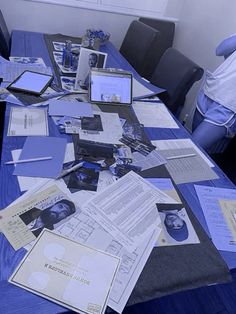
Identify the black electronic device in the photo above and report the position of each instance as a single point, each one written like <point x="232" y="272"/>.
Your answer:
<point x="31" y="82"/>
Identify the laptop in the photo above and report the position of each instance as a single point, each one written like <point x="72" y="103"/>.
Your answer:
<point x="110" y="86"/>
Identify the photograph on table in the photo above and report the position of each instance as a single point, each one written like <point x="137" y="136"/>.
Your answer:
<point x="68" y="83"/>
<point x="92" y="123"/>
<point x="176" y="226"/>
<point x="59" y="46"/>
<point x="88" y="59"/>
<point x="27" y="60"/>
<point x="68" y="125"/>
<point x="84" y="179"/>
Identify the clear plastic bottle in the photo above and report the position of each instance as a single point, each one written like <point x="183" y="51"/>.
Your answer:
<point x="67" y="55"/>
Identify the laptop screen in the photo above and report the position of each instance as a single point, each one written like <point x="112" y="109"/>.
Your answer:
<point x="110" y="86"/>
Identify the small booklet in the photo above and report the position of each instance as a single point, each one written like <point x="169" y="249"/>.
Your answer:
<point x="69" y="273"/>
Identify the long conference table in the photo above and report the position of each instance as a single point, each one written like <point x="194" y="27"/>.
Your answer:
<point x="16" y="300"/>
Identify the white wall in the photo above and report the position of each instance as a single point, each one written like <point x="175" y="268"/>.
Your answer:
<point x="50" y="18"/>
<point x="202" y="25"/>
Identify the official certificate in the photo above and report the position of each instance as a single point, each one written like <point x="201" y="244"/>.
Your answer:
<point x="27" y="121"/>
<point x="68" y="273"/>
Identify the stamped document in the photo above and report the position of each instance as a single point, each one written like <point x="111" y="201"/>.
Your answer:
<point x="68" y="273"/>
<point x="22" y="223"/>
<point x="219" y="208"/>
<point x="27" y="122"/>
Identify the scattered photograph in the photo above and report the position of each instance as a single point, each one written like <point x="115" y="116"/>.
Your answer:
<point x="84" y="179"/>
<point x="27" y="60"/>
<point x="68" y="125"/>
<point x="68" y="83"/>
<point x="91" y="149"/>
<point x="177" y="228"/>
<point x="143" y="148"/>
<point x="59" y="46"/>
<point x="88" y="59"/>
<point x="38" y="218"/>
<point x="134" y="130"/>
<point x="92" y="123"/>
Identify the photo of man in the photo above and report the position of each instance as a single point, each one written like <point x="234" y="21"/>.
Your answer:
<point x="93" y="60"/>
<point x="88" y="59"/>
<point x="177" y="228"/>
<point x="37" y="219"/>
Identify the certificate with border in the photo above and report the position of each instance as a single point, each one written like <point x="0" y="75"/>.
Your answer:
<point x="28" y="122"/>
<point x="66" y="272"/>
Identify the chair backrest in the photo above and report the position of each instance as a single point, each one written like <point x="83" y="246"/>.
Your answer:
<point x="4" y="38"/>
<point x="137" y="45"/>
<point x="176" y="74"/>
<point x="165" y="40"/>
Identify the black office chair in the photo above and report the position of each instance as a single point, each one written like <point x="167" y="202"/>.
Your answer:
<point x="176" y="74"/>
<point x="165" y="40"/>
<point x="137" y="46"/>
<point x="5" y="39"/>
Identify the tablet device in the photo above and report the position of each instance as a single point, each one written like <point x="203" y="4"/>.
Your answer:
<point x="31" y="82"/>
<point x="110" y="86"/>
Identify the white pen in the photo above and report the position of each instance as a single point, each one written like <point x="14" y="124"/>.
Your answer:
<point x="180" y="156"/>
<point x="67" y="171"/>
<point x="19" y="161"/>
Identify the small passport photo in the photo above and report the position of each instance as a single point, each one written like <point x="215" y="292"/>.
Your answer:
<point x="31" y="82"/>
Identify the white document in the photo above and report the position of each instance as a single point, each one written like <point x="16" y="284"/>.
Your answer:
<point x="127" y="209"/>
<point x="66" y="272"/>
<point x="28" y="60"/>
<point x="112" y="129"/>
<point x="26" y="183"/>
<point x="218" y="206"/>
<point x="187" y="169"/>
<point x="180" y="143"/>
<point x="28" y="122"/>
<point x="165" y="185"/>
<point x="153" y="159"/>
<point x="11" y="70"/>
<point x="139" y="90"/>
<point x="154" y="115"/>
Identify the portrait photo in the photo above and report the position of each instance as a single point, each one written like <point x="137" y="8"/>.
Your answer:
<point x="36" y="218"/>
<point x="176" y="226"/>
<point x="88" y="59"/>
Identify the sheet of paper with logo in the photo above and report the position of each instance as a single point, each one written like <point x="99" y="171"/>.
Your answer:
<point x="154" y="115"/>
<point x="22" y="223"/>
<point x="28" y="122"/>
<point x="69" y="273"/>
<point x="218" y="206"/>
<point x="127" y="210"/>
